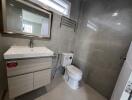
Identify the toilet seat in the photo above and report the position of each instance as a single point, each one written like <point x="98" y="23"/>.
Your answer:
<point x="74" y="72"/>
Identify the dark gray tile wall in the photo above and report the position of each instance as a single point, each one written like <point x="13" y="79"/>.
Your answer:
<point x="101" y="40"/>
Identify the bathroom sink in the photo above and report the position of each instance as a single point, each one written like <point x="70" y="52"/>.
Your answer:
<point x="26" y="52"/>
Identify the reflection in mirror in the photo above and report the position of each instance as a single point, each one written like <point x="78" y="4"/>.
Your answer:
<point x="92" y="25"/>
<point x="34" y="24"/>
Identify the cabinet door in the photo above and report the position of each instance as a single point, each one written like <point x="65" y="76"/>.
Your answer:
<point x="121" y="82"/>
<point x="124" y="76"/>
<point x="42" y="78"/>
<point x="20" y="84"/>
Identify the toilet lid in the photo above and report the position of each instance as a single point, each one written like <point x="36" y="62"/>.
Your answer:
<point x="74" y="71"/>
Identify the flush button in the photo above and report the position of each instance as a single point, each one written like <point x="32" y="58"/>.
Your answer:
<point x="70" y="57"/>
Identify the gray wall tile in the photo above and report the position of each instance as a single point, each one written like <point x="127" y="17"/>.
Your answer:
<point x="101" y="40"/>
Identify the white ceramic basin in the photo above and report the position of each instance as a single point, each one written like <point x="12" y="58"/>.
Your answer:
<point x="26" y="52"/>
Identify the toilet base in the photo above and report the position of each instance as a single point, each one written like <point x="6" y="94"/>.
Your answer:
<point x="73" y="84"/>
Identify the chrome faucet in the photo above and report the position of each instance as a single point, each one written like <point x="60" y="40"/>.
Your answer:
<point x="31" y="43"/>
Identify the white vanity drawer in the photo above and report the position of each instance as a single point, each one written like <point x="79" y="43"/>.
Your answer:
<point x="29" y="65"/>
<point x="20" y="84"/>
<point x="42" y="78"/>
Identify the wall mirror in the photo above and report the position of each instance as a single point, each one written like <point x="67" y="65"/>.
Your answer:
<point x="23" y="18"/>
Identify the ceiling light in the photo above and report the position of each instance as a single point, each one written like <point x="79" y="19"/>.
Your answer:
<point x="118" y="23"/>
<point x="115" y="14"/>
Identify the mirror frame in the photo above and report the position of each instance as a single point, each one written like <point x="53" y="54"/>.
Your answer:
<point x="13" y="33"/>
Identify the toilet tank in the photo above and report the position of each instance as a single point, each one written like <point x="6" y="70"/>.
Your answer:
<point x="66" y="59"/>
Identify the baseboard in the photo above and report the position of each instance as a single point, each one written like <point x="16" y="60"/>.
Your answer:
<point x="2" y="94"/>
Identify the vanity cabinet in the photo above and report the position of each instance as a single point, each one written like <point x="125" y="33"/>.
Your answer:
<point x="27" y="68"/>
<point x="28" y="74"/>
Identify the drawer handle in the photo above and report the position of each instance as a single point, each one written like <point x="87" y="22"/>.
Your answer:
<point x="11" y="64"/>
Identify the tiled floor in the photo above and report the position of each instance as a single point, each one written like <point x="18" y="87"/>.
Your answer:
<point x="63" y="92"/>
<point x="59" y="90"/>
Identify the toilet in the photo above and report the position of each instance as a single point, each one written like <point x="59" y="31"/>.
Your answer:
<point x="72" y="75"/>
